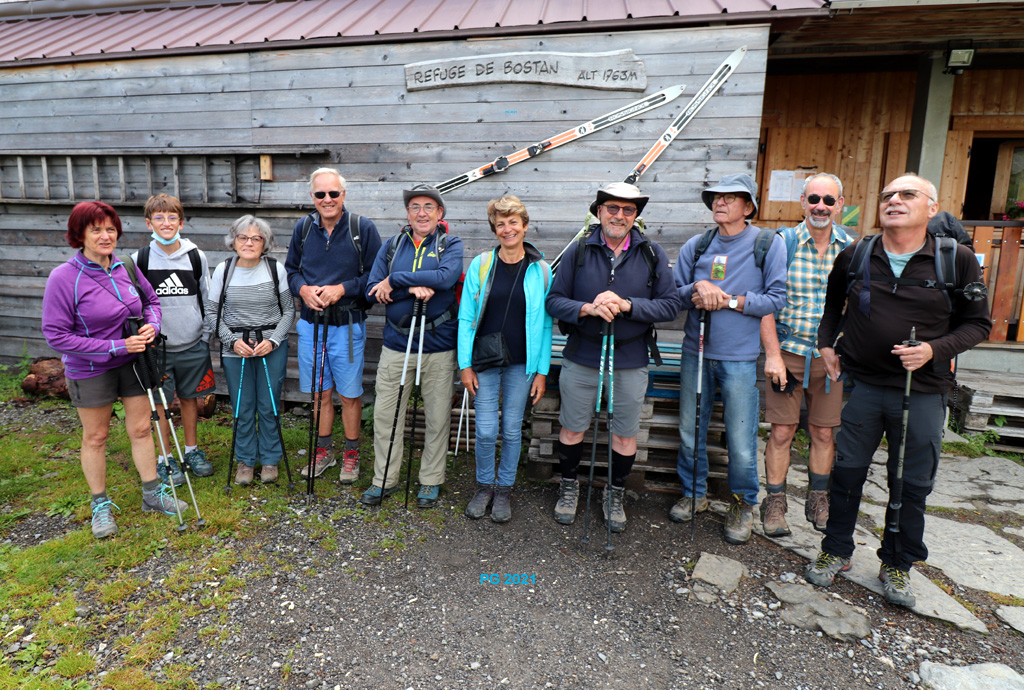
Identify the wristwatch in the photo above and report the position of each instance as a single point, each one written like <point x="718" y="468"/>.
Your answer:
<point x="733" y="302"/>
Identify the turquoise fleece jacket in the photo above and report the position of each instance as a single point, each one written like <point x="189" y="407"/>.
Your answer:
<point x="536" y="283"/>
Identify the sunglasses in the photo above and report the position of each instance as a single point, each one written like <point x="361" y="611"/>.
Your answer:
<point x="814" y="199"/>
<point x="627" y="211"/>
<point x="905" y="194"/>
<point x="333" y="193"/>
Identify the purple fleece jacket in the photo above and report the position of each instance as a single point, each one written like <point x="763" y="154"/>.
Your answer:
<point x="85" y="308"/>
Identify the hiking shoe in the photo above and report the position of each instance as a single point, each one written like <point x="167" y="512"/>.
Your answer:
<point x="614" y="513"/>
<point x="244" y="474"/>
<point x="162" y="501"/>
<point x="896" y="586"/>
<point x="680" y="512"/>
<point x="477" y="507"/>
<point x="269" y="474"/>
<point x="501" y="511"/>
<point x="427" y="497"/>
<point x="373" y="495"/>
<point x="176" y="475"/>
<point x="773" y="515"/>
<point x="103" y="519"/>
<point x="568" y="497"/>
<point x="739" y="522"/>
<point x="196" y="460"/>
<point x="816" y="509"/>
<point x="349" y="467"/>
<point x="823" y="571"/>
<point x="324" y="459"/>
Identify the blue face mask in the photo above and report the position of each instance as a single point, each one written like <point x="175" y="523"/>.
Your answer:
<point x="164" y="242"/>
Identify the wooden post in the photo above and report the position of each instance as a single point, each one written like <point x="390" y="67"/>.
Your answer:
<point x="266" y="167"/>
<point x="71" y="177"/>
<point x="46" y="177"/>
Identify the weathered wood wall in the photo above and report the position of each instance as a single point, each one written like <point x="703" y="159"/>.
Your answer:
<point x="128" y="125"/>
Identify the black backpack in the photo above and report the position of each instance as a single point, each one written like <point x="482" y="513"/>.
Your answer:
<point x="229" y="268"/>
<point x="762" y="244"/>
<point x="945" y="271"/>
<point x="359" y="302"/>
<point x="197" y="271"/>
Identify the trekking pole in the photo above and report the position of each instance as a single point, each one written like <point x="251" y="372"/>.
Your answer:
<point x="144" y="380"/>
<point x="149" y="361"/>
<point x="896" y="493"/>
<point x="416" y="307"/>
<point x="314" y="429"/>
<point x="593" y="438"/>
<point x="234" y="429"/>
<point x="415" y="407"/>
<point x="458" y="434"/>
<point x="311" y="479"/>
<point x="277" y="414"/>
<point x="609" y="416"/>
<point x="696" y="425"/>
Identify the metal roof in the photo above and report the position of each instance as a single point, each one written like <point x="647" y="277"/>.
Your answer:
<point x="84" y="29"/>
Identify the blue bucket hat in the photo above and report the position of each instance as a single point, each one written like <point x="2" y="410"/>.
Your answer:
<point x="740" y="182"/>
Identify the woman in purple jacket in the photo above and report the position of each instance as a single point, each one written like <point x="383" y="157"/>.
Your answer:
<point x="86" y="307"/>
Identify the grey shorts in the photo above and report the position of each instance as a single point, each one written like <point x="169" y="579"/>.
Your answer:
<point x="103" y="390"/>
<point x="577" y="385"/>
<point x="190" y="372"/>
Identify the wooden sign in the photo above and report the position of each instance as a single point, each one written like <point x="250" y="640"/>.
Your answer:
<point x="618" y="70"/>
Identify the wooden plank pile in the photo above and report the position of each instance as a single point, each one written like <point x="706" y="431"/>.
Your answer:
<point x="991" y="403"/>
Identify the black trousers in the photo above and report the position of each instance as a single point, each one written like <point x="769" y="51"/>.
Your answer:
<point x="871" y="412"/>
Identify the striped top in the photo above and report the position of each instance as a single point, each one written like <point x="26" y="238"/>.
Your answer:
<point x="805" y="288"/>
<point x="250" y="301"/>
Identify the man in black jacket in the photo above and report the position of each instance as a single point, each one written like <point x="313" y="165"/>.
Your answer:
<point x="900" y="293"/>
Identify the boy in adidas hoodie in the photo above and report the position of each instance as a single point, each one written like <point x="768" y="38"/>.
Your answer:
<point x="180" y="275"/>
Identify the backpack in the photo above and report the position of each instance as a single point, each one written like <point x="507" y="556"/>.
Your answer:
<point x="945" y="271"/>
<point x="762" y="244"/>
<point x="197" y="271"/>
<point x="359" y="301"/>
<point x="650" y="336"/>
<point x="229" y="268"/>
<point x="391" y="248"/>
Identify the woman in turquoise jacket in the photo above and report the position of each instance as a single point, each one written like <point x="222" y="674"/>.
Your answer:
<point x="504" y="349"/>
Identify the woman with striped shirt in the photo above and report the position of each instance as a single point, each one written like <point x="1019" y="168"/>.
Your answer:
<point x="253" y="310"/>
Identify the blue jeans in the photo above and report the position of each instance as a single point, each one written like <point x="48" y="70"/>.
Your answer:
<point x="252" y="444"/>
<point x="513" y="386"/>
<point x="738" y="382"/>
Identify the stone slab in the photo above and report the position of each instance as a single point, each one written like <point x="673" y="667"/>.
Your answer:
<point x="1012" y="616"/>
<point x="976" y="677"/>
<point x="724" y="573"/>
<point x="990" y="484"/>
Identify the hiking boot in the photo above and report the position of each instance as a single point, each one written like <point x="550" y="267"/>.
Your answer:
<point x="477" y="507"/>
<point x="773" y="515"/>
<point x="501" y="511"/>
<point x="162" y="501"/>
<point x="103" y="519"/>
<point x="680" y="512"/>
<point x="176" y="475"/>
<point x="373" y="495"/>
<point x="568" y="497"/>
<point x="428" y="495"/>
<point x="896" y="586"/>
<point x="268" y="474"/>
<point x="350" y="467"/>
<point x="196" y="460"/>
<point x="739" y="522"/>
<point x="244" y="474"/>
<point x="816" y="509"/>
<point x="614" y="514"/>
<point x="324" y="459"/>
<point x="823" y="571"/>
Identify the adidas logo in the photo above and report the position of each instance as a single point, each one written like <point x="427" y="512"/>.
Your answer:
<point x="171" y="286"/>
<point x="207" y="383"/>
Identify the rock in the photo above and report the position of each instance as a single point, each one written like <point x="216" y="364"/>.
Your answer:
<point x="723" y="573"/>
<point x="811" y="610"/>
<point x="1012" y="616"/>
<point x="46" y="377"/>
<point x="976" y="677"/>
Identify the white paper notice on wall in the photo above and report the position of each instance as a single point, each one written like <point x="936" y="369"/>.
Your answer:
<point x="786" y="185"/>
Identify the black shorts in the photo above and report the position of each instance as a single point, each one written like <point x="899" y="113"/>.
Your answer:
<point x="103" y="390"/>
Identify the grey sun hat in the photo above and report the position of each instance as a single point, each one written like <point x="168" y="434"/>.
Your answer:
<point x="739" y="182"/>
<point x="422" y="190"/>
<point x="623" y="192"/>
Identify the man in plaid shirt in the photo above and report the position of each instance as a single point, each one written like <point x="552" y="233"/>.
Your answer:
<point x="793" y="366"/>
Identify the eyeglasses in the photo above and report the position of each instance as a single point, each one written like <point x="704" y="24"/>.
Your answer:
<point x="814" y="199"/>
<point x="627" y="211"/>
<point x="727" y="198"/>
<point x="905" y="195"/>
<point x="334" y="193"/>
<point x="426" y="208"/>
<point x="160" y="220"/>
<point x="249" y="239"/>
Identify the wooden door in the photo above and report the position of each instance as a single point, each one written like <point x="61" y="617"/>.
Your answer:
<point x="800" y="150"/>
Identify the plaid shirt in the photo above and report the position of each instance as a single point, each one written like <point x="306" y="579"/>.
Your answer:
<point x="805" y="288"/>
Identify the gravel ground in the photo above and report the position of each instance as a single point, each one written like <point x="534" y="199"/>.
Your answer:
<point x="395" y="600"/>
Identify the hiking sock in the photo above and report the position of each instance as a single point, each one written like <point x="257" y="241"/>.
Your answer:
<point x="622" y="465"/>
<point x="569" y="459"/>
<point x="189" y="449"/>
<point x="151" y="486"/>
<point x="324" y="441"/>
<point x="776" y="488"/>
<point x="351" y="444"/>
<point x="819" y="482"/>
<point x="97" y="498"/>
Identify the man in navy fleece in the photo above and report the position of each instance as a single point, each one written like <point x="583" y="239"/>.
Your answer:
<point x="622" y="277"/>
<point x="734" y="294"/>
